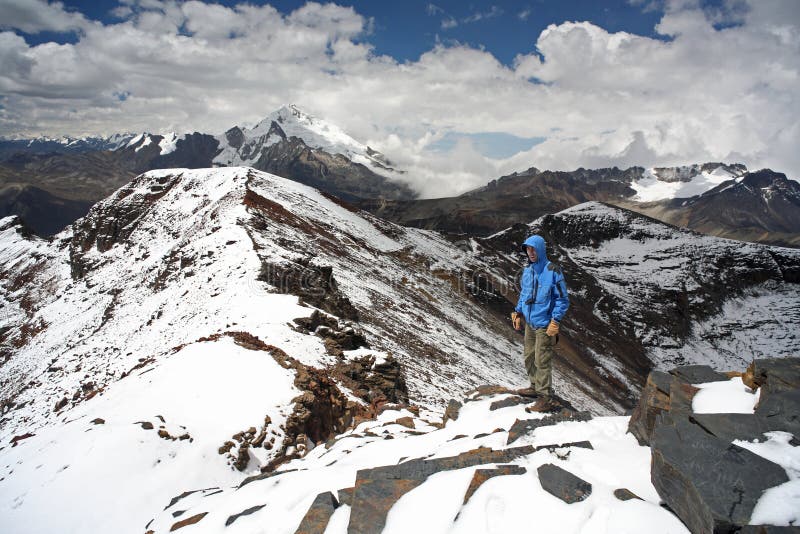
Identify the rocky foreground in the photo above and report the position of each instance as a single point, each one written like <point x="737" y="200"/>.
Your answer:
<point x="670" y="467"/>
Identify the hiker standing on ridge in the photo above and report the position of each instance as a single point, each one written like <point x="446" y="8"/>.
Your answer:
<point x="543" y="301"/>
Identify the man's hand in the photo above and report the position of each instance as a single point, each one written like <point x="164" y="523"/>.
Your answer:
<point x="517" y="320"/>
<point x="552" y="328"/>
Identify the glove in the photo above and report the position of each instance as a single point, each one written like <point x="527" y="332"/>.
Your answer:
<point x="517" y="320"/>
<point x="552" y="328"/>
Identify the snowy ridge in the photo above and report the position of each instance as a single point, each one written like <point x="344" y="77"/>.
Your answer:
<point x="137" y="339"/>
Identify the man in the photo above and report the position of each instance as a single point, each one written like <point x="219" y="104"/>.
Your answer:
<point x="543" y="301"/>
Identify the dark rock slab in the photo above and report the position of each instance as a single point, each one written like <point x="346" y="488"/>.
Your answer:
<point x="452" y="411"/>
<point x="731" y="426"/>
<point x="624" y="494"/>
<point x="563" y="484"/>
<point x="509" y="401"/>
<point x="316" y="519"/>
<point x="251" y="510"/>
<point x="653" y="402"/>
<point x="710" y="484"/>
<point x="482" y="475"/>
<point x="522" y="427"/>
<point x="698" y="374"/>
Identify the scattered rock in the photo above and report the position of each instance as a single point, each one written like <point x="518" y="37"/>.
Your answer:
<point x="452" y="411"/>
<point x="251" y="510"/>
<point x="146" y="425"/>
<point x="16" y="439"/>
<point x="60" y="404"/>
<point x="522" y="427"/>
<point x="482" y="475"/>
<point x="710" y="484"/>
<point x="226" y="447"/>
<point x="407" y="422"/>
<point x="99" y="421"/>
<point x="486" y="390"/>
<point x="243" y="458"/>
<point x="318" y="515"/>
<point x="188" y="521"/>
<point x="563" y="484"/>
<point x="624" y="494"/>
<point x="509" y="401"/>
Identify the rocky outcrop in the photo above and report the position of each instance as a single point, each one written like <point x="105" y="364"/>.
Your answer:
<point x="710" y="483"/>
<point x="113" y="220"/>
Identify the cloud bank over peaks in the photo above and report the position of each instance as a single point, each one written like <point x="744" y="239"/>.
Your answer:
<point x="717" y="84"/>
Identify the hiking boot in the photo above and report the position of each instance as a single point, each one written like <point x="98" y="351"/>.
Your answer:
<point x="527" y="392"/>
<point x="544" y="404"/>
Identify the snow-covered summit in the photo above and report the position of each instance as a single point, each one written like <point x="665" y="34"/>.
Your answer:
<point x="662" y="183"/>
<point x="243" y="146"/>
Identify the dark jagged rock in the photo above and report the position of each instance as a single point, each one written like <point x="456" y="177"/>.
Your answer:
<point x="624" y="494"/>
<point x="709" y="483"/>
<point x="482" y="475"/>
<point x="563" y="484"/>
<point x="251" y="510"/>
<point x="698" y="374"/>
<point x="653" y="402"/>
<point x="452" y="411"/>
<point x="318" y="515"/>
<point x="509" y="401"/>
<point x="522" y="427"/>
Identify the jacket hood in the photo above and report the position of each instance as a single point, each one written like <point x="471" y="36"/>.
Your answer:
<point x="538" y="243"/>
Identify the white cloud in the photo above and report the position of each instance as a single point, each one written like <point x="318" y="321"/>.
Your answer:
<point x="599" y="98"/>
<point x="524" y="14"/>
<point x="34" y="16"/>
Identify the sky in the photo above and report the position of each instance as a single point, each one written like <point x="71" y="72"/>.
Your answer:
<point x="455" y="93"/>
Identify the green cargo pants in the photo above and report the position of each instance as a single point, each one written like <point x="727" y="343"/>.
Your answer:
<point x="538" y="356"/>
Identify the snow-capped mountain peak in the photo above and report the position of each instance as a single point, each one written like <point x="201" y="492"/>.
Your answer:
<point x="243" y="146"/>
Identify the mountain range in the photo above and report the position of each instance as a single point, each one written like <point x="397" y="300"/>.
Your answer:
<point x="49" y="183"/>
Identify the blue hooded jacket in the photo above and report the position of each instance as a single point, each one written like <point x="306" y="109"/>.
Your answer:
<point x="543" y="295"/>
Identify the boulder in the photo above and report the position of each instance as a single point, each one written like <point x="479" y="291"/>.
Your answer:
<point x="563" y="484"/>
<point x="316" y="519"/>
<point x="188" y="521"/>
<point x="710" y="484"/>
<point x="452" y="411"/>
